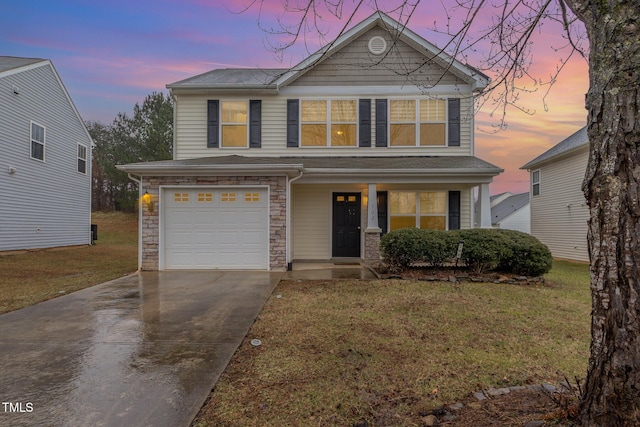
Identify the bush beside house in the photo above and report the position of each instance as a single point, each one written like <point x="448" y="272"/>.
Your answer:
<point x="483" y="250"/>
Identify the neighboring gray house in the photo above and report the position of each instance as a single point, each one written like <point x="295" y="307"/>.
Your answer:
<point x="373" y="132"/>
<point x="45" y="160"/>
<point x="511" y="211"/>
<point x="559" y="212"/>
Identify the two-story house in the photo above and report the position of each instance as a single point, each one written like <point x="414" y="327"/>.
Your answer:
<point x="373" y="132"/>
<point x="45" y="159"/>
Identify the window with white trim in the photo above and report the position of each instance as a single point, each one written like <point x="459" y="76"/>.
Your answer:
<point x="37" y="141"/>
<point x="420" y="123"/>
<point x="535" y="182"/>
<point x="82" y="158"/>
<point x="234" y="123"/>
<point x="424" y="209"/>
<point x="328" y="123"/>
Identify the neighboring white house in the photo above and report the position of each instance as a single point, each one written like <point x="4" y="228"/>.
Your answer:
<point x="373" y="132"/>
<point x="511" y="211"/>
<point x="45" y="160"/>
<point x="559" y="213"/>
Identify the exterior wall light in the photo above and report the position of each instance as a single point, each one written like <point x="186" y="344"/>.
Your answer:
<point x="147" y="199"/>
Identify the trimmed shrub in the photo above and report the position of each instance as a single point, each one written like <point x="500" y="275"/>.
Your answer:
<point x="529" y="256"/>
<point x="483" y="248"/>
<point x="401" y="248"/>
<point x="439" y="246"/>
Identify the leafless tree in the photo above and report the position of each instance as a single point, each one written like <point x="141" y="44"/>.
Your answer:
<point x="501" y="32"/>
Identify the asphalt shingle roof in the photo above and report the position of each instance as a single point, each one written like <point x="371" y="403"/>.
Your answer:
<point x="443" y="163"/>
<point x="508" y="206"/>
<point x="10" y="62"/>
<point x="576" y="140"/>
<point x="230" y="77"/>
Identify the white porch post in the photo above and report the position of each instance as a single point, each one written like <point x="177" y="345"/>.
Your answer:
<point x="372" y="208"/>
<point x="485" y="206"/>
<point x="372" y="230"/>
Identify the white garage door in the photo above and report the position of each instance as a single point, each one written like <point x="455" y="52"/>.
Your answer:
<point x="221" y="228"/>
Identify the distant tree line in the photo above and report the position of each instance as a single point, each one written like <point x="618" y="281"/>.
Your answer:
<point x="146" y="135"/>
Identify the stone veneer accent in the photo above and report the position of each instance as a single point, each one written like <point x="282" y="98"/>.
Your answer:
<point x="372" y="246"/>
<point x="277" y="215"/>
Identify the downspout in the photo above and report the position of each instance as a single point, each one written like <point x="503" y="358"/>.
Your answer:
<point x="288" y="233"/>
<point x="139" y="181"/>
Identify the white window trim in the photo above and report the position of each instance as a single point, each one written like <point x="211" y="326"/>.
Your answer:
<point x="417" y="215"/>
<point x="534" y="183"/>
<point x="31" y="140"/>
<point x="418" y="122"/>
<point x="328" y="123"/>
<point x="86" y="156"/>
<point x="245" y="124"/>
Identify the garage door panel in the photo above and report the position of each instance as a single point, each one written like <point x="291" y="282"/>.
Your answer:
<point x="208" y="229"/>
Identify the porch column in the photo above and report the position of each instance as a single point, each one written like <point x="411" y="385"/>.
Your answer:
<point x="372" y="231"/>
<point x="484" y="203"/>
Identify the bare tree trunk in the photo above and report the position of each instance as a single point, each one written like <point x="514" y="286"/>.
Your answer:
<point x="611" y="396"/>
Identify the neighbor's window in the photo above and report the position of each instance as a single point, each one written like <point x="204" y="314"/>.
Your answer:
<point x="535" y="182"/>
<point x="426" y="209"/>
<point x="82" y="158"/>
<point x="414" y="123"/>
<point x="233" y="121"/>
<point x="37" y="141"/>
<point x="313" y="119"/>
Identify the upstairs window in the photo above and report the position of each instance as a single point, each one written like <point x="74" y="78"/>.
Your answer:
<point x="37" y="141"/>
<point x="328" y="123"/>
<point x="413" y="122"/>
<point x="233" y="120"/>
<point x="313" y="118"/>
<point x="82" y="158"/>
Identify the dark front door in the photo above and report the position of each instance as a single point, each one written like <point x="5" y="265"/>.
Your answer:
<point x="346" y="224"/>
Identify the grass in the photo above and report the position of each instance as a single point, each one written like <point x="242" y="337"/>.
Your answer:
<point x="27" y="278"/>
<point x="342" y="352"/>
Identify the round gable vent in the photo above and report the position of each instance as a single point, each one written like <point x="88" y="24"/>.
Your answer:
<point x="377" y="45"/>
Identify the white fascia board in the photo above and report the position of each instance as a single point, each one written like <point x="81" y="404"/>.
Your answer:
<point x="25" y="68"/>
<point x="395" y="179"/>
<point x="193" y="170"/>
<point x="363" y="91"/>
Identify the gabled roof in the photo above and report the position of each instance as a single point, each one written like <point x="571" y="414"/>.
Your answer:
<point x="508" y="206"/>
<point x="573" y="142"/>
<point x="276" y="78"/>
<point x="9" y="63"/>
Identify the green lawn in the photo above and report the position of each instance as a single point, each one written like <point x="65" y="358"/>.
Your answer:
<point x="339" y="352"/>
<point x="30" y="277"/>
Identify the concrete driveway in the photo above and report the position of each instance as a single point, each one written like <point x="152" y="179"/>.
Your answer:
<point x="144" y="350"/>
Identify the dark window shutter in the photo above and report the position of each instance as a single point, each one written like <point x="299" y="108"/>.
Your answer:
<point x="364" y="113"/>
<point x="454" y="210"/>
<point x="293" y="111"/>
<point x="255" y="123"/>
<point x="454" y="122"/>
<point x="383" y="196"/>
<point x="213" y="123"/>
<point x="381" y="122"/>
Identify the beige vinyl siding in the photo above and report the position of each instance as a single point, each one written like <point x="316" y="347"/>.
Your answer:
<point x="559" y="214"/>
<point x="354" y="65"/>
<point x="312" y="214"/>
<point x="43" y="203"/>
<point x="191" y="132"/>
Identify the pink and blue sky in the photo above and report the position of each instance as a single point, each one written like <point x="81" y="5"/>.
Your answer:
<point x="111" y="54"/>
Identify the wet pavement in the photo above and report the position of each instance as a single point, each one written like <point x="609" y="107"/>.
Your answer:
<point x="144" y="350"/>
<point x="328" y="271"/>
